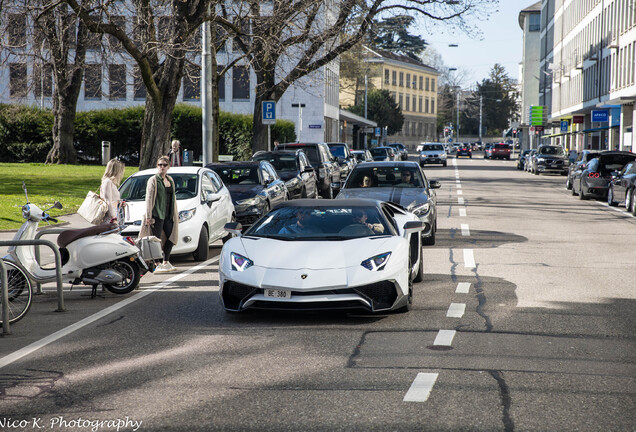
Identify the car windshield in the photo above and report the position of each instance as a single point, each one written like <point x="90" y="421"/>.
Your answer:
<point x="552" y="150"/>
<point x="321" y="223"/>
<point x="310" y="151"/>
<point x="244" y="175"/>
<point x="282" y="162"/>
<point x="337" y="150"/>
<point x="385" y="177"/>
<point x="134" y="188"/>
<point x="432" y="147"/>
<point x="359" y="156"/>
<point x="378" y="151"/>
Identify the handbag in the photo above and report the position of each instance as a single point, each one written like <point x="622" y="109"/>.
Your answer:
<point x="93" y="209"/>
<point x="150" y="248"/>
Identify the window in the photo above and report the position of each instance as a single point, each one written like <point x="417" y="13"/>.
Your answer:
<point x="244" y="25"/>
<point x="426" y="106"/>
<point x="408" y="80"/>
<point x="408" y="103"/>
<point x="433" y="84"/>
<point x="240" y="83"/>
<point x="534" y="24"/>
<point x="401" y="79"/>
<point x="42" y="79"/>
<point x="427" y="83"/>
<point x="421" y="82"/>
<point x="433" y="106"/>
<point x="94" y="40"/>
<point x="139" y="89"/>
<point x="394" y="78"/>
<point x="119" y="21"/>
<point x="191" y="83"/>
<point x="93" y="81"/>
<point x="221" y="83"/>
<point x="400" y="103"/>
<point x="17" y="79"/>
<point x="117" y="80"/>
<point x="16" y="30"/>
<point x="386" y="76"/>
<point x="420" y="101"/>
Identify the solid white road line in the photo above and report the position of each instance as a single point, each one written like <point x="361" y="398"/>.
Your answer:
<point x="462" y="212"/>
<point x="445" y="337"/>
<point x="469" y="259"/>
<point x="421" y="387"/>
<point x="7" y="360"/>
<point x="463" y="288"/>
<point x="456" y="310"/>
<point x="465" y="230"/>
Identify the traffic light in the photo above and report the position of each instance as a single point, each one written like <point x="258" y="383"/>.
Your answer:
<point x="446" y="130"/>
<point x="514" y="133"/>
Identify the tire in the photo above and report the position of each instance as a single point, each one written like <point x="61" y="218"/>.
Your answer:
<point x="201" y="252"/>
<point x="132" y="274"/>
<point x="430" y="240"/>
<point x="610" y="197"/>
<point x="419" y="277"/>
<point x="568" y="184"/>
<point x="303" y="193"/>
<point x="19" y="290"/>
<point x="409" y="299"/>
<point x="582" y="195"/>
<point x="445" y="164"/>
<point x="633" y="202"/>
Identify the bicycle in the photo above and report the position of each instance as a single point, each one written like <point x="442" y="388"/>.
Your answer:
<point x="20" y="293"/>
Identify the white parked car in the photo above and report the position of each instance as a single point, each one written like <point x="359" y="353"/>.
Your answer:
<point x="204" y="204"/>
<point x="323" y="254"/>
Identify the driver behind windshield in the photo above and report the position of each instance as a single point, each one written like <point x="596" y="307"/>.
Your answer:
<point x="360" y="217"/>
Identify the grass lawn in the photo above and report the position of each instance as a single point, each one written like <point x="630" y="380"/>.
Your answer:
<point x="67" y="184"/>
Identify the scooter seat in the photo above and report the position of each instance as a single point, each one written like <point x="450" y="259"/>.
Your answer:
<point x="71" y="235"/>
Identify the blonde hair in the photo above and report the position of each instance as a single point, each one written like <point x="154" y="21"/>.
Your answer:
<point x="114" y="171"/>
<point x="165" y="159"/>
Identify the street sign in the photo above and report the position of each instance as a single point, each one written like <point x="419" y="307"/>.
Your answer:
<point x="269" y="112"/>
<point x="378" y="131"/>
<point x="369" y="129"/>
<point x="536" y="115"/>
<point x="600" y="116"/>
<point x="564" y="125"/>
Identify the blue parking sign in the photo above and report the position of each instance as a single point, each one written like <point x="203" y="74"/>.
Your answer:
<point x="269" y="112"/>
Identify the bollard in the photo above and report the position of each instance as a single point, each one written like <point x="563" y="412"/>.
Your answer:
<point x="105" y="152"/>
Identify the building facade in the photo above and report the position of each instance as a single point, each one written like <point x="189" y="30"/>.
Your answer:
<point x="412" y="84"/>
<point x="530" y="23"/>
<point x="588" y="57"/>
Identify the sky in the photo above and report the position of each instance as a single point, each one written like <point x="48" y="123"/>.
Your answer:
<point x="501" y="43"/>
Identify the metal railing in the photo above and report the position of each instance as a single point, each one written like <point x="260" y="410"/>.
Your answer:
<point x="6" y="328"/>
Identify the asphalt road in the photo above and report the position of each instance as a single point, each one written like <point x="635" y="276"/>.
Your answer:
<point x="524" y="322"/>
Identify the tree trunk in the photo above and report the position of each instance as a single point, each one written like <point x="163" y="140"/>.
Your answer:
<point x="259" y="130"/>
<point x="155" y="138"/>
<point x="63" y="151"/>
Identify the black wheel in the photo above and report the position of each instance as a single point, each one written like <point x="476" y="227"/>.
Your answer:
<point x="430" y="240"/>
<point x="568" y="184"/>
<point x="419" y="276"/>
<point x="229" y="235"/>
<point x="610" y="197"/>
<point x="633" y="202"/>
<point x="19" y="290"/>
<point x="303" y="193"/>
<point x="444" y="164"/>
<point x="409" y="299"/>
<point x="581" y="193"/>
<point x="131" y="272"/>
<point x="201" y="252"/>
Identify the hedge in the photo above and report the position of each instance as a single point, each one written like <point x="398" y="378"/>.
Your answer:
<point x="25" y="133"/>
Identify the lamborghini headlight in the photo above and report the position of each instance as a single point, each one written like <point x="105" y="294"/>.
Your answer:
<point x="185" y="215"/>
<point x="377" y="262"/>
<point x="239" y="262"/>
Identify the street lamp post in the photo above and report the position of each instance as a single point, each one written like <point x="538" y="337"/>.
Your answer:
<point x="366" y="80"/>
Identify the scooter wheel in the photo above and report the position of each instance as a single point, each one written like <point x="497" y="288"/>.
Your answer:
<point x="131" y="272"/>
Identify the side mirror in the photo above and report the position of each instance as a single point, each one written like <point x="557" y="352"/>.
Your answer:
<point x="434" y="184"/>
<point x="212" y="197"/>
<point x="233" y="228"/>
<point x="309" y="169"/>
<point x="414" y="226"/>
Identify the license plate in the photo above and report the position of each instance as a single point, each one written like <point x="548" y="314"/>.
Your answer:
<point x="278" y="293"/>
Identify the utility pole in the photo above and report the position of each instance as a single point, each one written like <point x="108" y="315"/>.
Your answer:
<point x="366" y="79"/>
<point x="481" y="99"/>
<point x="457" y="136"/>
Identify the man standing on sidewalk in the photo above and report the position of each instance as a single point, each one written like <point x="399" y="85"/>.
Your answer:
<point x="175" y="154"/>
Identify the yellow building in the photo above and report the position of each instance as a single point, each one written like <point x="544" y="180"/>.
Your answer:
<point x="412" y="84"/>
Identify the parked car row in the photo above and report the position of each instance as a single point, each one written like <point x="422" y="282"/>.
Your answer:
<point x="544" y="159"/>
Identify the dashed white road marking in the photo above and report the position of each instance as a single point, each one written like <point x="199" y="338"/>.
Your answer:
<point x="459" y="191"/>
<point x="469" y="258"/>
<point x="463" y="288"/>
<point x="421" y="387"/>
<point x="465" y="230"/>
<point x="456" y="310"/>
<point x="462" y="212"/>
<point x="444" y="337"/>
<point x="460" y="200"/>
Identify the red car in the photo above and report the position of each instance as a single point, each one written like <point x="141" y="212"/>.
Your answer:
<point x="501" y="151"/>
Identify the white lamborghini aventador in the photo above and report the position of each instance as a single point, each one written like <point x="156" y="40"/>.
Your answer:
<point x="324" y="254"/>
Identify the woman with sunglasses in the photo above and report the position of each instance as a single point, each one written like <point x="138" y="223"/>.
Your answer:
<point x="162" y="215"/>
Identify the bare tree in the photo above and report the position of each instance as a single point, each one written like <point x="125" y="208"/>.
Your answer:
<point x="290" y="39"/>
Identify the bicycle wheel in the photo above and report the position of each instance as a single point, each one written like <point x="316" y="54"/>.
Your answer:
<point x="19" y="288"/>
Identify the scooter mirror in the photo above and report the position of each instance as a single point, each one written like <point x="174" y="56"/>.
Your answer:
<point x="57" y="205"/>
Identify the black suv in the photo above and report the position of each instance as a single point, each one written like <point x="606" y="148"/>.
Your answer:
<point x="326" y="166"/>
<point x="346" y="160"/>
<point x="294" y="169"/>
<point x="552" y="159"/>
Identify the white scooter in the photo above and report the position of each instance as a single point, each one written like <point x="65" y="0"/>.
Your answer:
<point x="97" y="255"/>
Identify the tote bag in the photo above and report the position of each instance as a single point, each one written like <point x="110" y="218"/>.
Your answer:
<point x="93" y="209"/>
